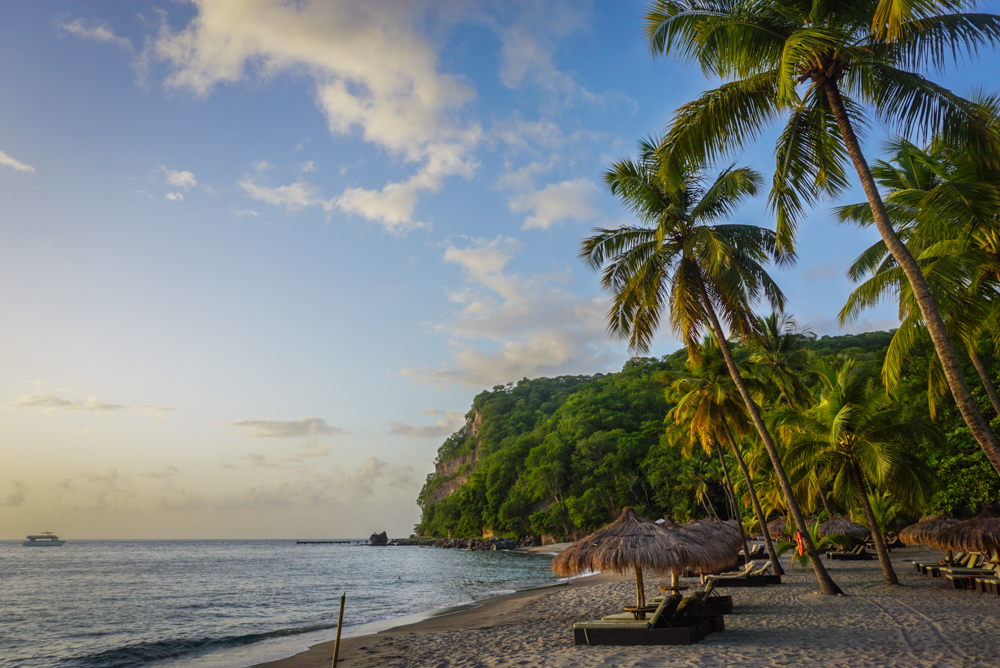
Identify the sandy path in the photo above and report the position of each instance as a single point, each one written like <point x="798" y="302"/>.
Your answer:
<point x="921" y="623"/>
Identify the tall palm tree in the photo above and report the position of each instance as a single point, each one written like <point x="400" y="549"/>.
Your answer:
<point x="708" y="409"/>
<point x="824" y="66"/>
<point x="856" y="433"/>
<point x="681" y="258"/>
<point x="945" y="204"/>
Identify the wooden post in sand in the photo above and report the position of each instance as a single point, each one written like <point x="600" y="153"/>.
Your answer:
<point x="340" y="623"/>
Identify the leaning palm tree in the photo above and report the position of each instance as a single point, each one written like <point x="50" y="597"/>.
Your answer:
<point x="861" y="439"/>
<point x="945" y="204"/>
<point x="708" y="409"/>
<point x="682" y="259"/>
<point x="824" y="67"/>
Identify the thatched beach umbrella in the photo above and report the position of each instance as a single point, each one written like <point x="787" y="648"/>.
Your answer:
<point x="980" y="534"/>
<point x="726" y="533"/>
<point x="777" y="530"/>
<point x="922" y="531"/>
<point x="841" y="526"/>
<point x="633" y="542"/>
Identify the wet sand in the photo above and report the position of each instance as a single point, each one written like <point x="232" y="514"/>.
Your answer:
<point x="920" y="623"/>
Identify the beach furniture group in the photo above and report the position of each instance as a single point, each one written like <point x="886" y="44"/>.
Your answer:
<point x="973" y="550"/>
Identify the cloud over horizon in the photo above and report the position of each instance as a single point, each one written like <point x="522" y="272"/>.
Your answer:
<point x="303" y="427"/>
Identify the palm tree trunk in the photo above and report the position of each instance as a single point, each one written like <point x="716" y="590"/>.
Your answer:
<point x="755" y="502"/>
<point x="732" y="497"/>
<point x="984" y="375"/>
<point x="822" y="497"/>
<point x="921" y="291"/>
<point x="883" y="554"/>
<point x="826" y="583"/>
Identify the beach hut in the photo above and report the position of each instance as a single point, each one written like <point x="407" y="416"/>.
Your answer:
<point x="777" y="529"/>
<point x="922" y="531"/>
<point x="980" y="534"/>
<point x="841" y="526"/>
<point x="634" y="542"/>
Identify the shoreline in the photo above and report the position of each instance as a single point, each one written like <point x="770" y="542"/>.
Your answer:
<point x="476" y="615"/>
<point x="920" y="623"/>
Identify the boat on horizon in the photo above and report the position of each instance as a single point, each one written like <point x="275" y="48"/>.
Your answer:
<point x="45" y="539"/>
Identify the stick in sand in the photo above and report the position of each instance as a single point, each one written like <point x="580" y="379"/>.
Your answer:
<point x="340" y="623"/>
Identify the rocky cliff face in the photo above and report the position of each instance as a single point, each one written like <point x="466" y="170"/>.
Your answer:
<point x="457" y="470"/>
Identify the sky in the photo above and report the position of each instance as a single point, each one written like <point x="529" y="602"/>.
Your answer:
<point x="258" y="256"/>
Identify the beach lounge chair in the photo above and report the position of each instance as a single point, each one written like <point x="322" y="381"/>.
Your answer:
<point x="922" y="566"/>
<point x="747" y="578"/>
<point x="661" y="629"/>
<point x="712" y="602"/>
<point x="965" y="578"/>
<point x="857" y="554"/>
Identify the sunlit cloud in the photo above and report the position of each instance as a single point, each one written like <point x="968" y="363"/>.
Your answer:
<point x="179" y="179"/>
<point x="510" y="327"/>
<point x="293" y="197"/>
<point x="176" y="197"/>
<point x="558" y="202"/>
<point x="8" y="161"/>
<point x="447" y="423"/>
<point x="372" y="71"/>
<point x="303" y="427"/>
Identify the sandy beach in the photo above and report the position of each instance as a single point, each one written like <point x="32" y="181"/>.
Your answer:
<point x="920" y="623"/>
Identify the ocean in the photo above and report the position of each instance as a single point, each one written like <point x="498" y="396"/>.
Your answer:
<point x="226" y="603"/>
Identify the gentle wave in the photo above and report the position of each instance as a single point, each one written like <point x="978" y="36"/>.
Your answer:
<point x="131" y="655"/>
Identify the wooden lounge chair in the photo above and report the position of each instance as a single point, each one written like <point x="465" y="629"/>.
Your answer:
<point x="923" y="566"/>
<point x="679" y="628"/>
<point x="713" y="603"/>
<point x="965" y="578"/>
<point x="747" y="578"/>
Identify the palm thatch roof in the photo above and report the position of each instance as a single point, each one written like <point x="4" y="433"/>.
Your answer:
<point x="980" y="534"/>
<point x="726" y="533"/>
<point x="841" y="526"/>
<point x="922" y="531"/>
<point x="632" y="541"/>
<point x="777" y="529"/>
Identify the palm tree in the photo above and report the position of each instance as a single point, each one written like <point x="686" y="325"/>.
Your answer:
<point x="861" y="439"/>
<point x="945" y="205"/>
<point x="826" y="66"/>
<point x="708" y="408"/>
<point x="779" y="359"/>
<point x="681" y="258"/>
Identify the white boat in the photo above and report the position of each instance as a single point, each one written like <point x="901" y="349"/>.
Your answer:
<point x="46" y="539"/>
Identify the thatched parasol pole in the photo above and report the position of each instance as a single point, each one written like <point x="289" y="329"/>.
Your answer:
<point x="640" y="590"/>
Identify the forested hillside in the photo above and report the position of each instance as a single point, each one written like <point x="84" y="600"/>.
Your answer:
<point x="561" y="456"/>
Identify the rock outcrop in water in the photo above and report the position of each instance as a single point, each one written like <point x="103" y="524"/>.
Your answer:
<point x="473" y="544"/>
<point x="379" y="539"/>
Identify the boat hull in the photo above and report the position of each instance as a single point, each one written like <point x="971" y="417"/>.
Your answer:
<point x="39" y="543"/>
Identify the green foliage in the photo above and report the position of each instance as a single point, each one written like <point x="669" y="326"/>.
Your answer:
<point x="562" y="456"/>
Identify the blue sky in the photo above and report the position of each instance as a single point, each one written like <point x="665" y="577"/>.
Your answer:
<point x="259" y="256"/>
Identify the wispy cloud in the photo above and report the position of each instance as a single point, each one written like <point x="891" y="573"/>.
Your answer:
<point x="179" y="178"/>
<point x="166" y="472"/>
<point x="293" y="197"/>
<point x="557" y="202"/>
<point x="303" y="427"/>
<point x="51" y="403"/>
<point x="8" y="161"/>
<point x="447" y="423"/>
<point x="509" y="326"/>
<point x="16" y="496"/>
<point x="96" y="31"/>
<point x="373" y="73"/>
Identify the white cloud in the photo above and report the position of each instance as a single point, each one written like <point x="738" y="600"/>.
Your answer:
<point x="51" y="403"/>
<point x="373" y="72"/>
<point x="448" y="423"/>
<point x="17" y="496"/>
<point x="97" y="31"/>
<point x="293" y="197"/>
<point x="305" y="427"/>
<point x="510" y="327"/>
<point x="242" y="213"/>
<point x="176" y="197"/>
<point x="308" y="166"/>
<point x="11" y="162"/>
<point x="569" y="200"/>
<point x="179" y="179"/>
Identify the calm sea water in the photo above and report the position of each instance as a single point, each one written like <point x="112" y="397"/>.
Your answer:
<point x="111" y="604"/>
